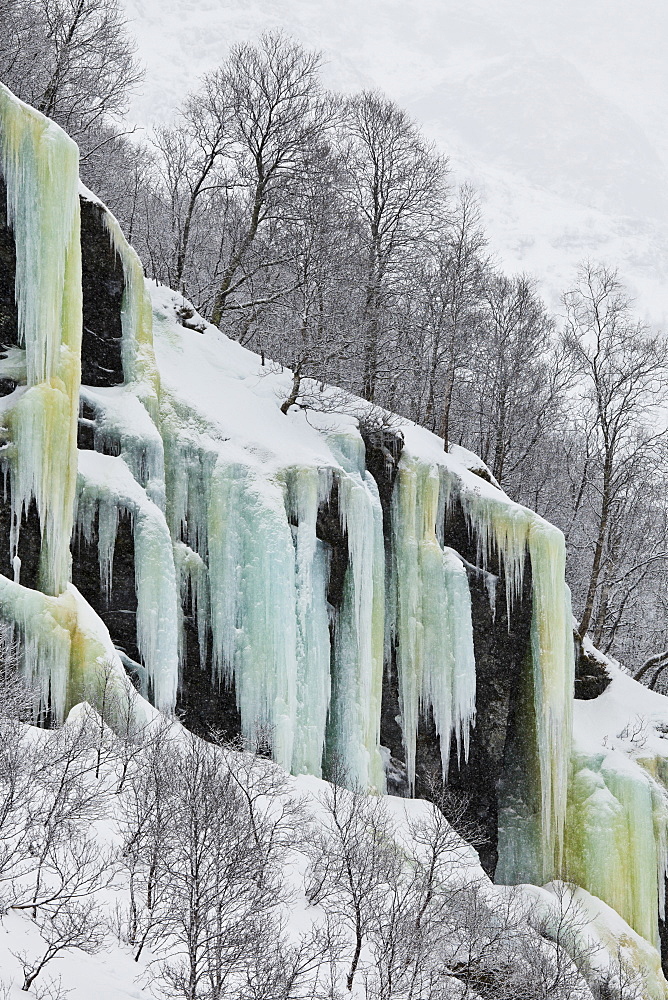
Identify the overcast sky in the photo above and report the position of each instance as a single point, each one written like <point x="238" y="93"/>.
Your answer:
<point x="557" y="110"/>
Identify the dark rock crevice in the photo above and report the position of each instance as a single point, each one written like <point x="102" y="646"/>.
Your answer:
<point x="329" y="530"/>
<point x="9" y="318"/>
<point x="119" y="611"/>
<point x="103" y="285"/>
<point x="591" y="676"/>
<point x="204" y="706"/>
<point x="30" y="540"/>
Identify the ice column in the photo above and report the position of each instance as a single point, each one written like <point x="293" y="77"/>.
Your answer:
<point x="357" y="668"/>
<point x="39" y="163"/>
<point x="616" y="837"/>
<point x="253" y="598"/>
<point x="307" y="488"/>
<point x="432" y="616"/>
<point x="139" y="364"/>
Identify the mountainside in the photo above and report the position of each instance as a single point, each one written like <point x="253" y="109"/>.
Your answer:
<point x="330" y="582"/>
<point x="555" y="113"/>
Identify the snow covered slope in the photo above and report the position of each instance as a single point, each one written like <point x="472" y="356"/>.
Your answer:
<point x="556" y="111"/>
<point x="595" y="945"/>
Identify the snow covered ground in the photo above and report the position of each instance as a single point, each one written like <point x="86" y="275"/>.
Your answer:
<point x="556" y="112"/>
<point x="111" y="973"/>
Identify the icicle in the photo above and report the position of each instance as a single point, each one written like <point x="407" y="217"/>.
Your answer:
<point x="307" y="488"/>
<point x="357" y="677"/>
<point x="433" y="629"/>
<point x="106" y="488"/>
<point x="500" y="527"/>
<point x="193" y="583"/>
<point x="136" y="318"/>
<point x="553" y="672"/>
<point x="39" y="163"/>
<point x="122" y="422"/>
<point x="461" y="638"/>
<point x="253" y="595"/>
<point x="45" y="626"/>
<point x="189" y="464"/>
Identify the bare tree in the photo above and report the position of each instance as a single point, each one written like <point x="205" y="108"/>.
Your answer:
<point x="518" y="376"/>
<point x="396" y="186"/>
<point x="71" y="925"/>
<point x="192" y="154"/>
<point x="72" y="59"/>
<point x="622" y="371"/>
<point x="270" y="94"/>
<point x="314" y="328"/>
<point x="352" y="862"/>
<point x="204" y="864"/>
<point x="444" y="323"/>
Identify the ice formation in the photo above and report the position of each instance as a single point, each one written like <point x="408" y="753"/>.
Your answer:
<point x="616" y="843"/>
<point x="105" y="490"/>
<point x="534" y="850"/>
<point x="242" y="518"/>
<point x="432" y="615"/>
<point x="357" y="663"/>
<point x="616" y="838"/>
<point x="225" y="500"/>
<point x="39" y="164"/>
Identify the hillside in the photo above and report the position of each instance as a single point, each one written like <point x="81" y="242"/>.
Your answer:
<point x="330" y="586"/>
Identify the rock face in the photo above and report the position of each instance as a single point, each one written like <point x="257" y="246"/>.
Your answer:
<point x="103" y="286"/>
<point x="500" y="650"/>
<point x="8" y="309"/>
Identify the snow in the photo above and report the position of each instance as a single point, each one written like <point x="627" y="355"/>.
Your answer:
<point x="585" y="923"/>
<point x="122" y="420"/>
<point x="224" y="491"/>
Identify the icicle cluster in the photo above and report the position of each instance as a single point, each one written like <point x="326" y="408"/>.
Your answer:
<point x="105" y="490"/>
<point x="39" y="164"/>
<point x="431" y="623"/>
<point x="249" y="556"/>
<point x="508" y="530"/>
<point x="357" y="667"/>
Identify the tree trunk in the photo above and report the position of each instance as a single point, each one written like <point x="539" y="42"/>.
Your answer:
<point x="294" y="392"/>
<point x="237" y="257"/>
<point x="598" y="551"/>
<point x="444" y="425"/>
<point x="357" y="953"/>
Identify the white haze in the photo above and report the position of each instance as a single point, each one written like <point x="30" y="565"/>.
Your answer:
<point x="558" y="112"/>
